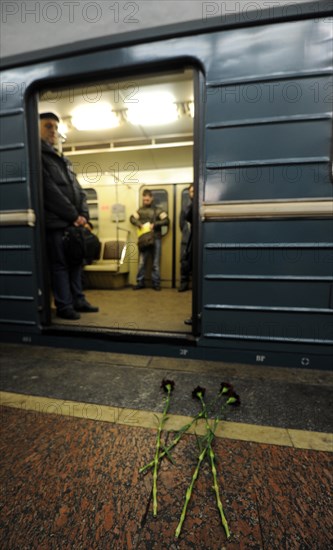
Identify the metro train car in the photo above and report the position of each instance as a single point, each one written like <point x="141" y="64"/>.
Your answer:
<point x="240" y="107"/>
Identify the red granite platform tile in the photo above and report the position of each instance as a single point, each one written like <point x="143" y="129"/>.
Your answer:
<point x="74" y="484"/>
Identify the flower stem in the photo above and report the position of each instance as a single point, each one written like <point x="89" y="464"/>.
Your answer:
<point x="217" y="493"/>
<point x="174" y="442"/>
<point x="203" y="413"/>
<point x="178" y="436"/>
<point x="189" y="491"/>
<point x="213" y="467"/>
<point x="158" y="446"/>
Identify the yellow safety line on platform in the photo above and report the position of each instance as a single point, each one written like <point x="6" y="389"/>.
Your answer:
<point x="300" y="439"/>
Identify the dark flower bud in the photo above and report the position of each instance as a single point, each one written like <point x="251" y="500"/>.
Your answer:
<point x="226" y="388"/>
<point x="234" y="399"/>
<point x="167" y="385"/>
<point x="198" y="390"/>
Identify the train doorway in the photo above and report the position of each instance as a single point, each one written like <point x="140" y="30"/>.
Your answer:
<point x="113" y="166"/>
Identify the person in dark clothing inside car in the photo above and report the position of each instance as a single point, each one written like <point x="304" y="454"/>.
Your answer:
<point x="64" y="205"/>
<point x="185" y="222"/>
<point x="156" y="217"/>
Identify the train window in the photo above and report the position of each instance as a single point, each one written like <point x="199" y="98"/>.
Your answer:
<point x="92" y="200"/>
<point x="161" y="199"/>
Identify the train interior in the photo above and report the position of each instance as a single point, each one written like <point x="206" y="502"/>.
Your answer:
<point x="123" y="136"/>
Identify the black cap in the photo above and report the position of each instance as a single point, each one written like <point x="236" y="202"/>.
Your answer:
<point x="51" y="116"/>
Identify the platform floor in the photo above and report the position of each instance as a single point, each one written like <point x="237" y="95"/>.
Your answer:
<point x="77" y="426"/>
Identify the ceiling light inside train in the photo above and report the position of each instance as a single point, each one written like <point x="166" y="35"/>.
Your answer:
<point x="153" y="109"/>
<point x="97" y="116"/>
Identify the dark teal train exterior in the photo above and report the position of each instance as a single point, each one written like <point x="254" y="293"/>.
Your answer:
<point x="263" y="170"/>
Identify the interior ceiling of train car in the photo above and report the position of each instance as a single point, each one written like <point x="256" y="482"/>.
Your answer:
<point x="149" y="112"/>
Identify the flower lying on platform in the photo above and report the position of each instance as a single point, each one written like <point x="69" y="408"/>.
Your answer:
<point x="168" y="386"/>
<point x="230" y="397"/>
<point x="198" y="391"/>
<point x="204" y="448"/>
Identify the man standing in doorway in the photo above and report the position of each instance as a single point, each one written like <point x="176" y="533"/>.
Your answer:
<point x="157" y="218"/>
<point x="64" y="205"/>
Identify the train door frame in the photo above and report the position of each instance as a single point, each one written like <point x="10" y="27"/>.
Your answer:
<point x="44" y="287"/>
<point x="199" y="87"/>
<point x="35" y="168"/>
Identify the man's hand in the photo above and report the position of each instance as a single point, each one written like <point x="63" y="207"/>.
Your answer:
<point x="80" y="220"/>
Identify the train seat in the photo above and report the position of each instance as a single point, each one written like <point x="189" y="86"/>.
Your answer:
<point x="112" y="268"/>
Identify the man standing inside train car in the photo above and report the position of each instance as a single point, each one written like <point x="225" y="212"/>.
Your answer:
<point x="157" y="218"/>
<point x="64" y="205"/>
<point x="185" y="223"/>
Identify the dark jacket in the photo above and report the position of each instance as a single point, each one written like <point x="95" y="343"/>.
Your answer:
<point x="189" y="219"/>
<point x="152" y="214"/>
<point x="185" y="223"/>
<point x="64" y="198"/>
